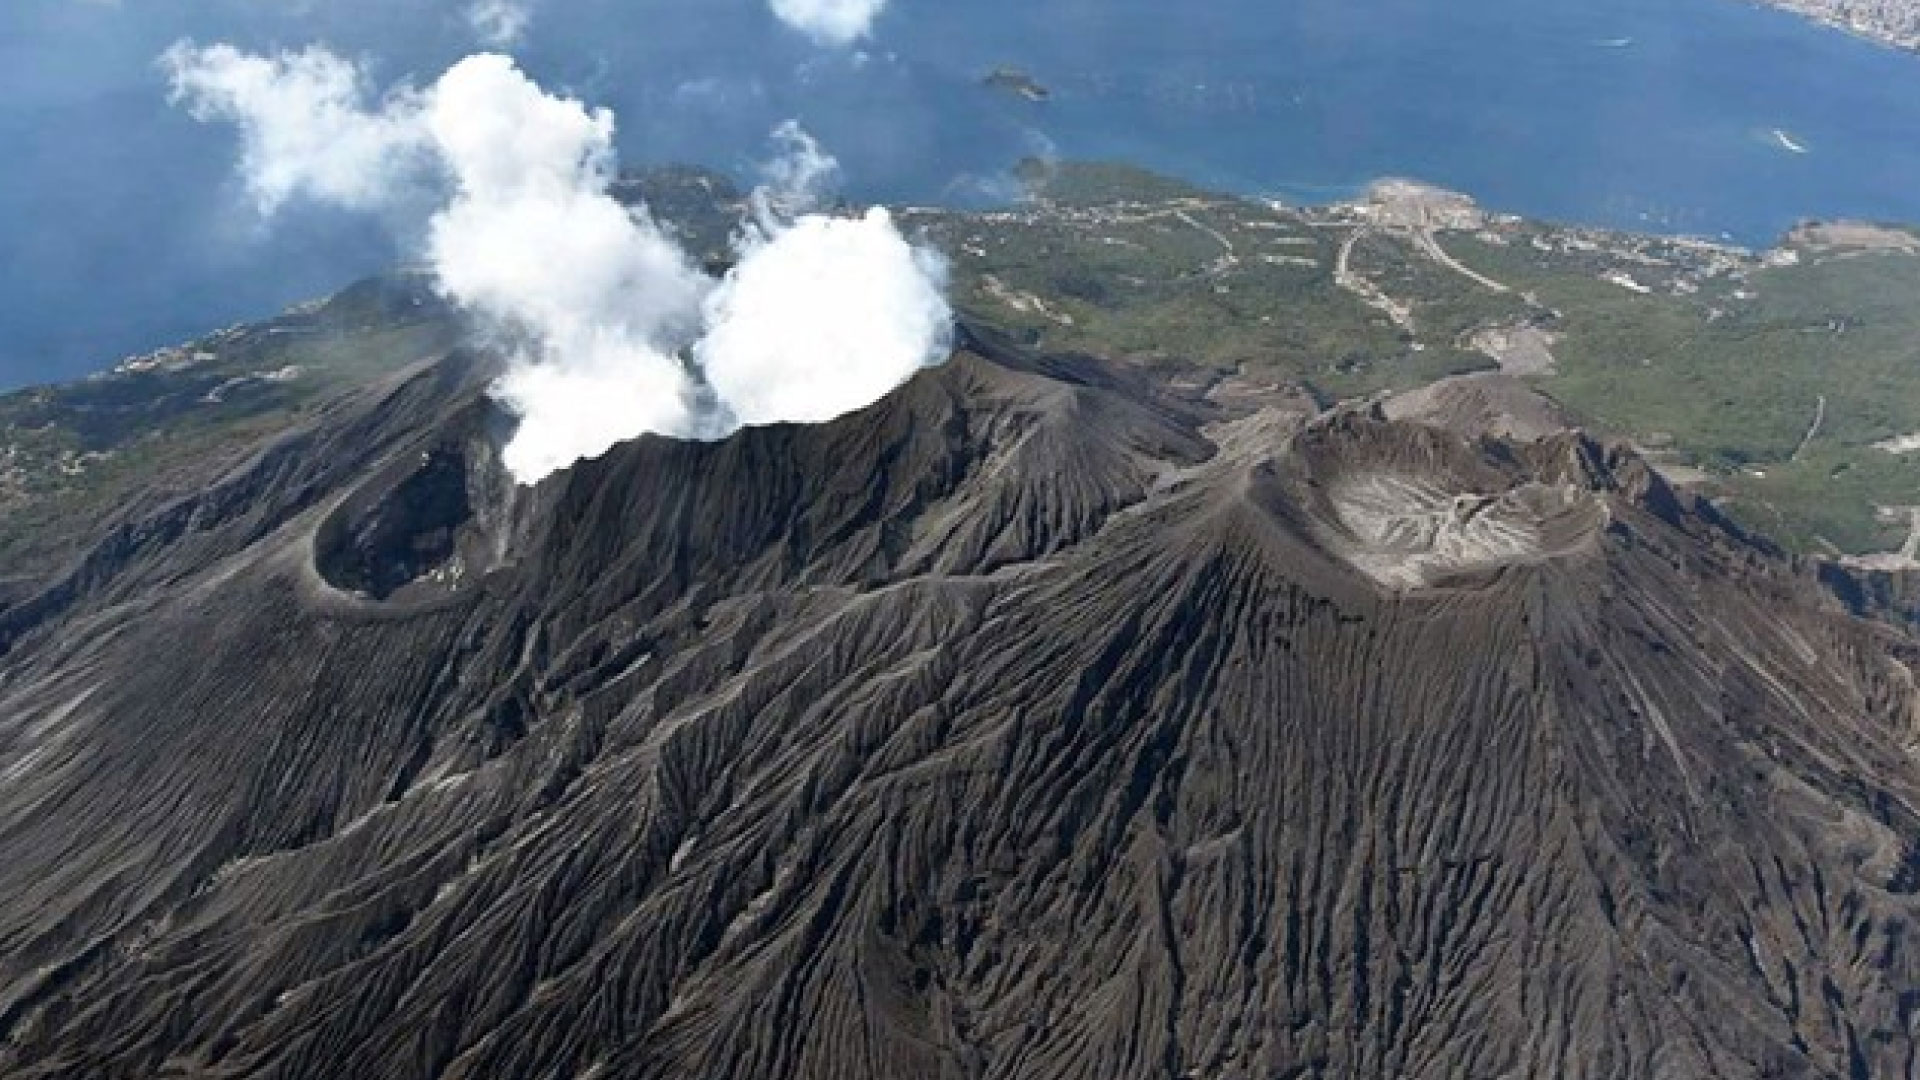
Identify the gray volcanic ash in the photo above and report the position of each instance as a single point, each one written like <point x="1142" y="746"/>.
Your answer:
<point x="1042" y="720"/>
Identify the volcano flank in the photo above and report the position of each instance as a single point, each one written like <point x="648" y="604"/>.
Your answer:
<point x="1058" y="716"/>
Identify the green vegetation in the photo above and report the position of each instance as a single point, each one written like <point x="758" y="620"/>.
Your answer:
<point x="1115" y="262"/>
<point x="1710" y="358"/>
<point x="1103" y="183"/>
<point x="1733" y="373"/>
<point x="1446" y="307"/>
<point x="158" y="427"/>
<point x="1825" y="499"/>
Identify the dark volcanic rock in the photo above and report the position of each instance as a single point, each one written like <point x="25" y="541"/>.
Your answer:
<point x="1037" y="722"/>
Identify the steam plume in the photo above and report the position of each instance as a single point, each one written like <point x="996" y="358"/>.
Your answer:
<point x="800" y="178"/>
<point x="611" y="331"/>
<point x="830" y="22"/>
<point x="531" y="240"/>
<point x="499" y="23"/>
<point x="304" y="127"/>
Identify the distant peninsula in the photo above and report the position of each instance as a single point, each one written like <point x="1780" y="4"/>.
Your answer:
<point x="1889" y="22"/>
<point x="1013" y="80"/>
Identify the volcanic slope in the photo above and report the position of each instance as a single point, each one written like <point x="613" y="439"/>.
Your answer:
<point x="1042" y="721"/>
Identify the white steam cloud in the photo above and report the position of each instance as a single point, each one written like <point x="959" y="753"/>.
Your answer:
<point x="817" y="319"/>
<point x="800" y="178"/>
<point x="830" y="22"/>
<point x="305" y="129"/>
<point x="531" y="240"/>
<point x="500" y="23"/>
<point x="612" y="331"/>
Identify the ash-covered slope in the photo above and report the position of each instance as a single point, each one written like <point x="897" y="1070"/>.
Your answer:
<point x="1041" y="721"/>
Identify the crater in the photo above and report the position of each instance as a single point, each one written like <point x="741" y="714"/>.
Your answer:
<point x="426" y="527"/>
<point x="1409" y="531"/>
<point x="1413" y="506"/>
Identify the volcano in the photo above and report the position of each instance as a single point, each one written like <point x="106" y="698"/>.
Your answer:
<point x="1054" y="717"/>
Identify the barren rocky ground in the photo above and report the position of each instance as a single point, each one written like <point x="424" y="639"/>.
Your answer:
<point x="1061" y="715"/>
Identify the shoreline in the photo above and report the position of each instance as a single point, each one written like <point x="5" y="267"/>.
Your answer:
<point x="1882" y="35"/>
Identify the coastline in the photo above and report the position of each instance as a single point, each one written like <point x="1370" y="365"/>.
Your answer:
<point x="1824" y="13"/>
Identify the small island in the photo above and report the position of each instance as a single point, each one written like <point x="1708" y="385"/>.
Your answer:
<point x="1013" y="80"/>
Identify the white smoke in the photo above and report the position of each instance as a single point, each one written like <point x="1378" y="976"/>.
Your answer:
<point x="823" y="318"/>
<point x="613" y="332"/>
<point x="799" y="178"/>
<point x="499" y="23"/>
<point x="531" y="239"/>
<point x="830" y="22"/>
<point x="304" y="126"/>
<point x="822" y="313"/>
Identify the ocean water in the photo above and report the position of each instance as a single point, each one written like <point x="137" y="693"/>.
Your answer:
<point x="121" y="227"/>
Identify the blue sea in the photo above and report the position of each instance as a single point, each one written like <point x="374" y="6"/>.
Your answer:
<point x="121" y="227"/>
